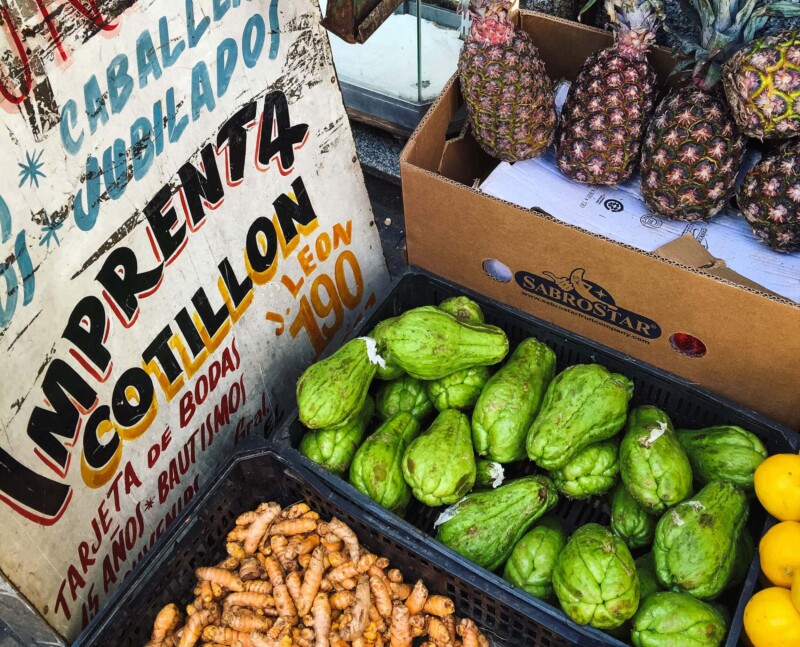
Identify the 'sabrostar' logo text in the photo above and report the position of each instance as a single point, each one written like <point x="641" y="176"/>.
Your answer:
<point x="576" y="293"/>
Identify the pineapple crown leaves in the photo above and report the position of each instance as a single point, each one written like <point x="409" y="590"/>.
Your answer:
<point x="725" y="26"/>
<point x="633" y="14"/>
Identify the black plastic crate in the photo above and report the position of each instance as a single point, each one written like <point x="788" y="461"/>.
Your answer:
<point x="687" y="405"/>
<point x="197" y="538"/>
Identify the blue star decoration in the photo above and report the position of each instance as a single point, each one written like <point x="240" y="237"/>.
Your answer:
<point x="30" y="169"/>
<point x="50" y="228"/>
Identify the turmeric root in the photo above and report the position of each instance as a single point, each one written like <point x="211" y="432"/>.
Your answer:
<point x="165" y="622"/>
<point x="259" y="586"/>
<point x="439" y="605"/>
<point x="399" y="590"/>
<point x="359" y="612"/>
<point x="250" y="569"/>
<point x="274" y="570"/>
<point x="346" y="534"/>
<point x="225" y="579"/>
<point x="251" y="599"/>
<point x="293" y="527"/>
<point x="245" y="620"/>
<point x="283" y="601"/>
<point x="293" y="585"/>
<point x="341" y="600"/>
<point x="380" y="594"/>
<point x="258" y="639"/>
<point x="419" y="625"/>
<point x="400" y="631"/>
<point x="331" y="543"/>
<point x="295" y="511"/>
<point x="226" y="636"/>
<point x="377" y="618"/>
<point x="195" y="625"/>
<point x="450" y="623"/>
<point x="259" y="527"/>
<point x="235" y="550"/>
<point x="438" y="633"/>
<point x="469" y="633"/>
<point x="416" y="601"/>
<point x="311" y="581"/>
<point x="395" y="576"/>
<point x="321" y="612"/>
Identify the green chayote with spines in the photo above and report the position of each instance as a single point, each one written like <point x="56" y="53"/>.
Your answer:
<point x="429" y="343"/>
<point x="630" y="520"/>
<point x="670" y="619"/>
<point x="533" y="559"/>
<point x="459" y="390"/>
<point x="592" y="471"/>
<point x="509" y="402"/>
<point x="695" y="541"/>
<point x="439" y="465"/>
<point x="404" y="394"/>
<point x="595" y="578"/>
<point x="334" y="448"/>
<point x="485" y="526"/>
<point x="377" y="468"/>
<point x="463" y="308"/>
<point x="723" y="453"/>
<point x="584" y="404"/>
<point x="391" y="371"/>
<point x="653" y="465"/>
<point x="333" y="390"/>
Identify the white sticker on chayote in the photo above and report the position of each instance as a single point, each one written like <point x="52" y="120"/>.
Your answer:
<point x="447" y="514"/>
<point x="656" y="433"/>
<point x="677" y="518"/>
<point x="498" y="473"/>
<point x="696" y="505"/>
<point x="372" y="352"/>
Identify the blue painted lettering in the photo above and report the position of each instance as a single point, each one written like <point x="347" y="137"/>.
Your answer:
<point x="120" y="83"/>
<point x="115" y="169"/>
<point x="158" y="126"/>
<point x="274" y="30"/>
<point x="202" y="93"/>
<point x="227" y="53"/>
<point x="85" y="218"/>
<point x="146" y="58"/>
<point x="174" y="128"/>
<point x="195" y="30"/>
<point x="221" y="8"/>
<point x="95" y="103"/>
<point x="252" y="46"/>
<point x="142" y="147"/>
<point x="169" y="57"/>
<point x="69" y="119"/>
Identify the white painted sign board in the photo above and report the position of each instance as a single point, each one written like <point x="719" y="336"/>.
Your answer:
<point x="183" y="228"/>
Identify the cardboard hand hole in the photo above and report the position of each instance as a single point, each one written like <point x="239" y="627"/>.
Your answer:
<point x="497" y="271"/>
<point x="687" y="345"/>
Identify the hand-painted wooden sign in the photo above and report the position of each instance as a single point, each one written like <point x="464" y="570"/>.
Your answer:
<point x="183" y="227"/>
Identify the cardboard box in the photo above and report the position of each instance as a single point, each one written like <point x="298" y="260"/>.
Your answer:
<point x="662" y="309"/>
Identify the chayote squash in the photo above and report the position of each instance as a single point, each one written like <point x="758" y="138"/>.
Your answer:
<point x="439" y="465"/>
<point x="745" y="551"/>
<point x="485" y="526"/>
<point x="584" y="404"/>
<point x="390" y="371"/>
<point x="671" y="619"/>
<point x="653" y="465"/>
<point x="591" y="471"/>
<point x="332" y="391"/>
<point x="405" y="394"/>
<point x="533" y="559"/>
<point x="630" y="520"/>
<point x="377" y="468"/>
<point x="429" y="343"/>
<point x="695" y="542"/>
<point x="488" y="474"/>
<point x="334" y="448"/>
<point x="510" y="401"/>
<point x="724" y="453"/>
<point x="463" y="308"/>
<point x="646" y="572"/>
<point x="460" y="390"/>
<point x="595" y="578"/>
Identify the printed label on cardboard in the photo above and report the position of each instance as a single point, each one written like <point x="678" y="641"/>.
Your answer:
<point x="589" y="300"/>
<point x="184" y="227"/>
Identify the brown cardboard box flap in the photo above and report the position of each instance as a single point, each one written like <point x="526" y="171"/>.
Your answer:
<point x="687" y="251"/>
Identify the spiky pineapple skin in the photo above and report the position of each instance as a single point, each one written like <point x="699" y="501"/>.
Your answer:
<point x="509" y="97"/>
<point x="769" y="198"/>
<point x="604" y="118"/>
<point x="692" y="153"/>
<point x="762" y="83"/>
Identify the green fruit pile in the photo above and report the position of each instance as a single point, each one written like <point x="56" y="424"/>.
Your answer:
<point x="451" y="417"/>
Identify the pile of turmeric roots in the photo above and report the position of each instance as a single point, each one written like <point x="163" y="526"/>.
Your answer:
<point x="291" y="579"/>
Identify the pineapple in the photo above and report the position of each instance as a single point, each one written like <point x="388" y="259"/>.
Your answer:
<point x="770" y="198"/>
<point x="510" y="100"/>
<point x="612" y="99"/>
<point x="762" y="83"/>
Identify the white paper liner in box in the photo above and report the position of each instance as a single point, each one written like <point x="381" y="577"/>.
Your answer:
<point x="620" y="213"/>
